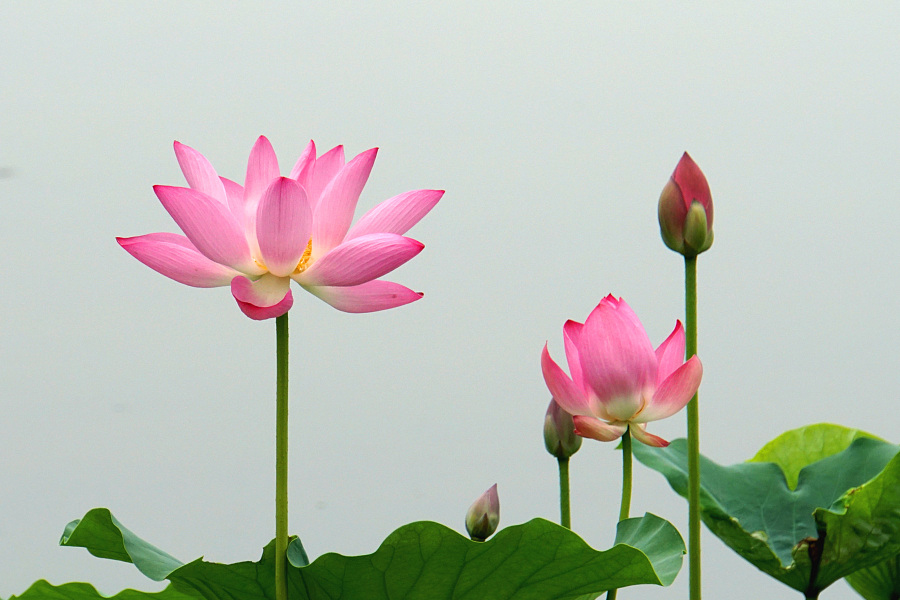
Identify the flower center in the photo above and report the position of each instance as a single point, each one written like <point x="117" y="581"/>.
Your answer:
<point x="304" y="260"/>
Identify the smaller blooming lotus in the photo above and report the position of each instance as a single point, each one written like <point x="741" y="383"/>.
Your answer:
<point x="258" y="237"/>
<point x="617" y="379"/>
<point x="686" y="210"/>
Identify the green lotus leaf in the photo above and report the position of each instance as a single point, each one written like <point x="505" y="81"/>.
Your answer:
<point x="536" y="560"/>
<point x="42" y="590"/>
<point x="794" y="449"/>
<point x="842" y="514"/>
<point x="881" y="582"/>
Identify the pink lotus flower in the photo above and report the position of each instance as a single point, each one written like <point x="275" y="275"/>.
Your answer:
<point x="686" y="210"/>
<point x="259" y="237"/>
<point x="617" y="380"/>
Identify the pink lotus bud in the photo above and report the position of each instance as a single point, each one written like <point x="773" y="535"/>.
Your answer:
<point x="484" y="515"/>
<point x="686" y="210"/>
<point x="559" y="432"/>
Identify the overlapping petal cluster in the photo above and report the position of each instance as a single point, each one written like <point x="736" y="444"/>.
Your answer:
<point x="258" y="237"/>
<point x="617" y="379"/>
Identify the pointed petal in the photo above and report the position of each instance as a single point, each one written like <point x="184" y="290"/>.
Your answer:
<point x="360" y="260"/>
<point x="265" y="298"/>
<point x="326" y="167"/>
<point x="693" y="185"/>
<point x="397" y="214"/>
<point x="596" y="429"/>
<point x="262" y="168"/>
<point x="616" y="354"/>
<point x="367" y="297"/>
<point x="670" y="354"/>
<point x="642" y="436"/>
<point x="304" y="165"/>
<point x="572" y="338"/>
<point x="199" y="173"/>
<point x="175" y="257"/>
<point x="283" y="226"/>
<point x="625" y="312"/>
<point x="674" y="393"/>
<point x="568" y="395"/>
<point x="209" y="225"/>
<point x="334" y="211"/>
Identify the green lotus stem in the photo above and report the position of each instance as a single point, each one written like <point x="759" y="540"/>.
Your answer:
<point x="565" y="515"/>
<point x="693" y="430"/>
<point x="281" y="457"/>
<point x="625" y="507"/>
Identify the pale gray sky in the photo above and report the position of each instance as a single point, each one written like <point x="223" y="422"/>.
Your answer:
<point x="553" y="128"/>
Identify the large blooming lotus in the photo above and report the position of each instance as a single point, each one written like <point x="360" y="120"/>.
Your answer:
<point x="617" y="379"/>
<point x="259" y="237"/>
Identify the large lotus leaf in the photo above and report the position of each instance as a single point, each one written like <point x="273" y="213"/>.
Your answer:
<point x="536" y="560"/>
<point x="42" y="590"/>
<point x="881" y="582"/>
<point x="842" y="515"/>
<point x="794" y="449"/>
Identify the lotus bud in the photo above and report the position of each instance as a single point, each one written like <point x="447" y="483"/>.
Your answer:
<point x="484" y="515"/>
<point x="559" y="432"/>
<point x="686" y="210"/>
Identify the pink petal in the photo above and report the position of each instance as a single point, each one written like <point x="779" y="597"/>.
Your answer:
<point x="674" y="393"/>
<point x="334" y="210"/>
<point x="397" y="214"/>
<point x="670" y="354"/>
<point x="283" y="226"/>
<point x="616" y="354"/>
<point x="572" y="338"/>
<point x="326" y="167"/>
<point x="262" y="168"/>
<point x="642" y="436"/>
<point x="234" y="194"/>
<point x="199" y="173"/>
<point x="268" y="290"/>
<point x="267" y="297"/>
<point x="175" y="257"/>
<point x="596" y="429"/>
<point x="693" y="186"/>
<point x="367" y="297"/>
<point x="624" y="311"/>
<point x="209" y="225"/>
<point x="360" y="260"/>
<point x="305" y="165"/>
<point x="566" y="393"/>
<point x="260" y="313"/>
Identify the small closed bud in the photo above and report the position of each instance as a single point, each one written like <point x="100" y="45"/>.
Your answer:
<point x="484" y="515"/>
<point x="686" y="210"/>
<point x="559" y="432"/>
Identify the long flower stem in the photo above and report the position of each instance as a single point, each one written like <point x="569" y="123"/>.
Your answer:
<point x="693" y="430"/>
<point x="625" y="507"/>
<point x="565" y="516"/>
<point x="281" y="457"/>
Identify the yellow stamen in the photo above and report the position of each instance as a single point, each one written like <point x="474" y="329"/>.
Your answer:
<point x="304" y="260"/>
